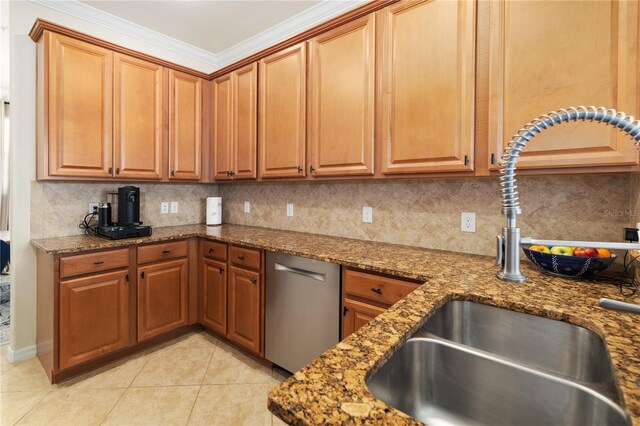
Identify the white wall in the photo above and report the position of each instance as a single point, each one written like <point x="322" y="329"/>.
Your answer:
<point x="23" y="96"/>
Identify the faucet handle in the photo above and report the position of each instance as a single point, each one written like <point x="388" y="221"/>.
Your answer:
<point x="499" y="250"/>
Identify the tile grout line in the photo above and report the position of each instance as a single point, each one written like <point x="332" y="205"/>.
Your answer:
<point x="34" y="406"/>
<point x="201" y="382"/>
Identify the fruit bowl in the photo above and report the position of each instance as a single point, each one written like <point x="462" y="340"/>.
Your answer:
<point x="569" y="266"/>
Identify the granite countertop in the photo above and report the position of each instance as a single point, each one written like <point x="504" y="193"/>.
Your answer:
<point x="332" y="390"/>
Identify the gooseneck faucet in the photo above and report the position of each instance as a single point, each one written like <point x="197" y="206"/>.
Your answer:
<point x="509" y="242"/>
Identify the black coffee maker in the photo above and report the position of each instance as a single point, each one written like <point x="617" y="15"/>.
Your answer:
<point x="129" y="224"/>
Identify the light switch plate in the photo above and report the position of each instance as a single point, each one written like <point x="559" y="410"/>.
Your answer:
<point x="164" y="207"/>
<point x="247" y="207"/>
<point x="174" y="207"/>
<point x="367" y="214"/>
<point x="468" y="222"/>
<point x="290" y="209"/>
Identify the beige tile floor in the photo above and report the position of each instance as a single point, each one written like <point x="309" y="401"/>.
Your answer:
<point x="196" y="379"/>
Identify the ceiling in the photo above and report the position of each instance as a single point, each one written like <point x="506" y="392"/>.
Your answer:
<point x="212" y="25"/>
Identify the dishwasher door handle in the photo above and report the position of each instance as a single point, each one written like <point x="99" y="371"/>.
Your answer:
<point x="304" y="272"/>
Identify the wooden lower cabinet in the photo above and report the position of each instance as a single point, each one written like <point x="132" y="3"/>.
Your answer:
<point x="245" y="289"/>
<point x="214" y="294"/>
<point x="356" y="315"/>
<point x="94" y="316"/>
<point x="162" y="297"/>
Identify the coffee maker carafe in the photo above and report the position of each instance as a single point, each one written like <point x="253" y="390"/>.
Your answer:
<point x="128" y="206"/>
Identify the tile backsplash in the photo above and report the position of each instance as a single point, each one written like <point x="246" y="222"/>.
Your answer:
<point x="58" y="207"/>
<point x="426" y="213"/>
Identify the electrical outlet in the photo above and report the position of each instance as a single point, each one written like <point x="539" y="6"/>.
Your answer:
<point x="93" y="207"/>
<point x="247" y="207"/>
<point x="290" y="209"/>
<point x="164" y="207"/>
<point x="468" y="222"/>
<point x="367" y="215"/>
<point x="174" y="207"/>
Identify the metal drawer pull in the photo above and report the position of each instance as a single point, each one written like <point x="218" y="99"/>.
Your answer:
<point x="254" y="281"/>
<point x="376" y="290"/>
<point x="310" y="274"/>
<point x="211" y="250"/>
<point x="166" y="251"/>
<point x="221" y="270"/>
<point x="240" y="257"/>
<point x="98" y="262"/>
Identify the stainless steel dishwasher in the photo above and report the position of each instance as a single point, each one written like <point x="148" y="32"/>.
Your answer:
<point x="302" y="318"/>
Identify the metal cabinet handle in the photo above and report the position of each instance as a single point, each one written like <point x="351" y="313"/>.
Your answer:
<point x="344" y="311"/>
<point x="253" y="281"/>
<point x="299" y="169"/>
<point x="142" y="275"/>
<point x="311" y="169"/>
<point x="211" y="250"/>
<point x="173" y="172"/>
<point x="166" y="251"/>
<point x="315" y="275"/>
<point x="98" y="262"/>
<point x="240" y="257"/>
<point x="117" y="170"/>
<point x="376" y="290"/>
<point x="110" y="170"/>
<point x="221" y="270"/>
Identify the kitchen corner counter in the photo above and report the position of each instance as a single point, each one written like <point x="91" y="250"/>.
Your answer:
<point x="332" y="390"/>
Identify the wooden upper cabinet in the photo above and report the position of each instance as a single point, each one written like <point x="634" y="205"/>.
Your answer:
<point x="138" y="118"/>
<point x="245" y="98"/>
<point x="426" y="67"/>
<point x="185" y="126"/>
<point x="94" y="316"/>
<point x="234" y="126"/>
<point x="222" y="127"/>
<point x="282" y="121"/>
<point x="78" y="91"/>
<point x="341" y="104"/>
<point x="577" y="53"/>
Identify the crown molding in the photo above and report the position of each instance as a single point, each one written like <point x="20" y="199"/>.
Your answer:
<point x="290" y="27"/>
<point x="122" y="26"/>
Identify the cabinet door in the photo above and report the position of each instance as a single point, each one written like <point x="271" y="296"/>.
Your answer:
<point x="80" y="108"/>
<point x="538" y="68"/>
<point x="245" y="320"/>
<point x="282" y="123"/>
<point x="222" y="127"/>
<point x="138" y="122"/>
<point x="245" y="119"/>
<point x="214" y="294"/>
<point x="185" y="126"/>
<point x="427" y="72"/>
<point x="341" y="105"/>
<point x="94" y="316"/>
<point x="162" y="297"/>
<point x="356" y="315"/>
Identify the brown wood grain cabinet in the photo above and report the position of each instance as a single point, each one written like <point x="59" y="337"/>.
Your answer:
<point x="245" y="310"/>
<point x="138" y="122"/>
<point x="282" y="113"/>
<point x="366" y="295"/>
<point x="162" y="297"/>
<point x="214" y="294"/>
<point x="94" y="316"/>
<point x="342" y="100"/>
<point x="185" y="126"/>
<point x="76" y="113"/>
<point x="234" y="124"/>
<point x="426" y="65"/>
<point x="536" y="68"/>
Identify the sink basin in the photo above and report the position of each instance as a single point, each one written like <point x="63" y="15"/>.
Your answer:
<point x="441" y="384"/>
<point x="555" y="346"/>
<point x="477" y="364"/>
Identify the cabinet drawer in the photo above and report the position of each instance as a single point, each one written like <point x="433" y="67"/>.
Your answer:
<point x="375" y="287"/>
<point x="157" y="252"/>
<point x="248" y="258"/>
<point x="93" y="262"/>
<point x="214" y="250"/>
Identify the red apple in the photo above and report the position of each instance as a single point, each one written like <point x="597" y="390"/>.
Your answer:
<point x="585" y="252"/>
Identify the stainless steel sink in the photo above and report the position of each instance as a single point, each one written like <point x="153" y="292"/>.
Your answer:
<point x="476" y="364"/>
